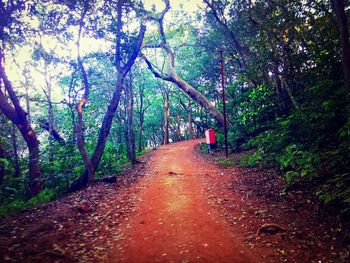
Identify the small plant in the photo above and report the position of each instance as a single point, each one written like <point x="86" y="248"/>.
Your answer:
<point x="298" y="163"/>
<point x="203" y="147"/>
<point x="251" y="160"/>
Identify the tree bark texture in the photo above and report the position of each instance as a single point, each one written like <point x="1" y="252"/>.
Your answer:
<point x="342" y="21"/>
<point x="178" y="127"/>
<point x="2" y="164"/>
<point x="15" y="151"/>
<point x="129" y="129"/>
<point x="189" y="119"/>
<point x="166" y="117"/>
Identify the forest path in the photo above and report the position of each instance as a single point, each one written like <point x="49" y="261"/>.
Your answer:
<point x="173" y="221"/>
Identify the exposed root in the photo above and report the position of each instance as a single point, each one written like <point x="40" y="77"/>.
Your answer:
<point x="270" y="228"/>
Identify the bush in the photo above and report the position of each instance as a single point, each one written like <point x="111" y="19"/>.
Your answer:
<point x="298" y="163"/>
<point x="251" y="160"/>
<point x="203" y="147"/>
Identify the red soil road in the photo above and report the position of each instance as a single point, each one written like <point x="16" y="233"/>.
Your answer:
<point x="174" y="222"/>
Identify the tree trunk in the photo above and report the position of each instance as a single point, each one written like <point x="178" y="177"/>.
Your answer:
<point x="178" y="127"/>
<point x="2" y="164"/>
<point x="15" y="151"/>
<point x="119" y="135"/>
<point x="194" y="94"/>
<point x="141" y="118"/>
<point x="339" y="9"/>
<point x="199" y="98"/>
<point x="103" y="135"/>
<point x="283" y="99"/>
<point x="18" y="116"/>
<point x="166" y="117"/>
<point x="129" y="129"/>
<point x="34" y="156"/>
<point x="26" y="88"/>
<point x="131" y="125"/>
<point x="81" y="105"/>
<point x="80" y="142"/>
<point x="50" y="112"/>
<point x="189" y="119"/>
<point x="140" y="146"/>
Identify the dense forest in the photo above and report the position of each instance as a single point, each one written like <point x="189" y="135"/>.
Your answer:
<point x="88" y="86"/>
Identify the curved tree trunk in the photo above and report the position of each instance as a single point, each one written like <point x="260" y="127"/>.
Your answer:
<point x="103" y="135"/>
<point x="80" y="142"/>
<point x="194" y="94"/>
<point x="172" y="75"/>
<point x="18" y="116"/>
<point x="198" y="97"/>
<point x="81" y="105"/>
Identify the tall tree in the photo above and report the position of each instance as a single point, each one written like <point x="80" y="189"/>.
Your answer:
<point x="143" y="104"/>
<point x="166" y="103"/>
<point x="81" y="104"/>
<point x="342" y="21"/>
<point x="122" y="70"/>
<point x="171" y="75"/>
<point x="18" y="116"/>
<point x="129" y="120"/>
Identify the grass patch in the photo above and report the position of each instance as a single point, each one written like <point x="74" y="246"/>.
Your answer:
<point x="225" y="162"/>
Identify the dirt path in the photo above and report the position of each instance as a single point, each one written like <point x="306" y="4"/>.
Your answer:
<point x="174" y="222"/>
<point x="177" y="206"/>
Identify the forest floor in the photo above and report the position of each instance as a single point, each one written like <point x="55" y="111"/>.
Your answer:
<point x="177" y="206"/>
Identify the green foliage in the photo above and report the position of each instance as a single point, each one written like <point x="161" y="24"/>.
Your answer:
<point x="203" y="147"/>
<point x="257" y="105"/>
<point x="6" y="163"/>
<point x="251" y="160"/>
<point x="18" y="205"/>
<point x="288" y="105"/>
<point x="298" y="163"/>
<point x="111" y="163"/>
